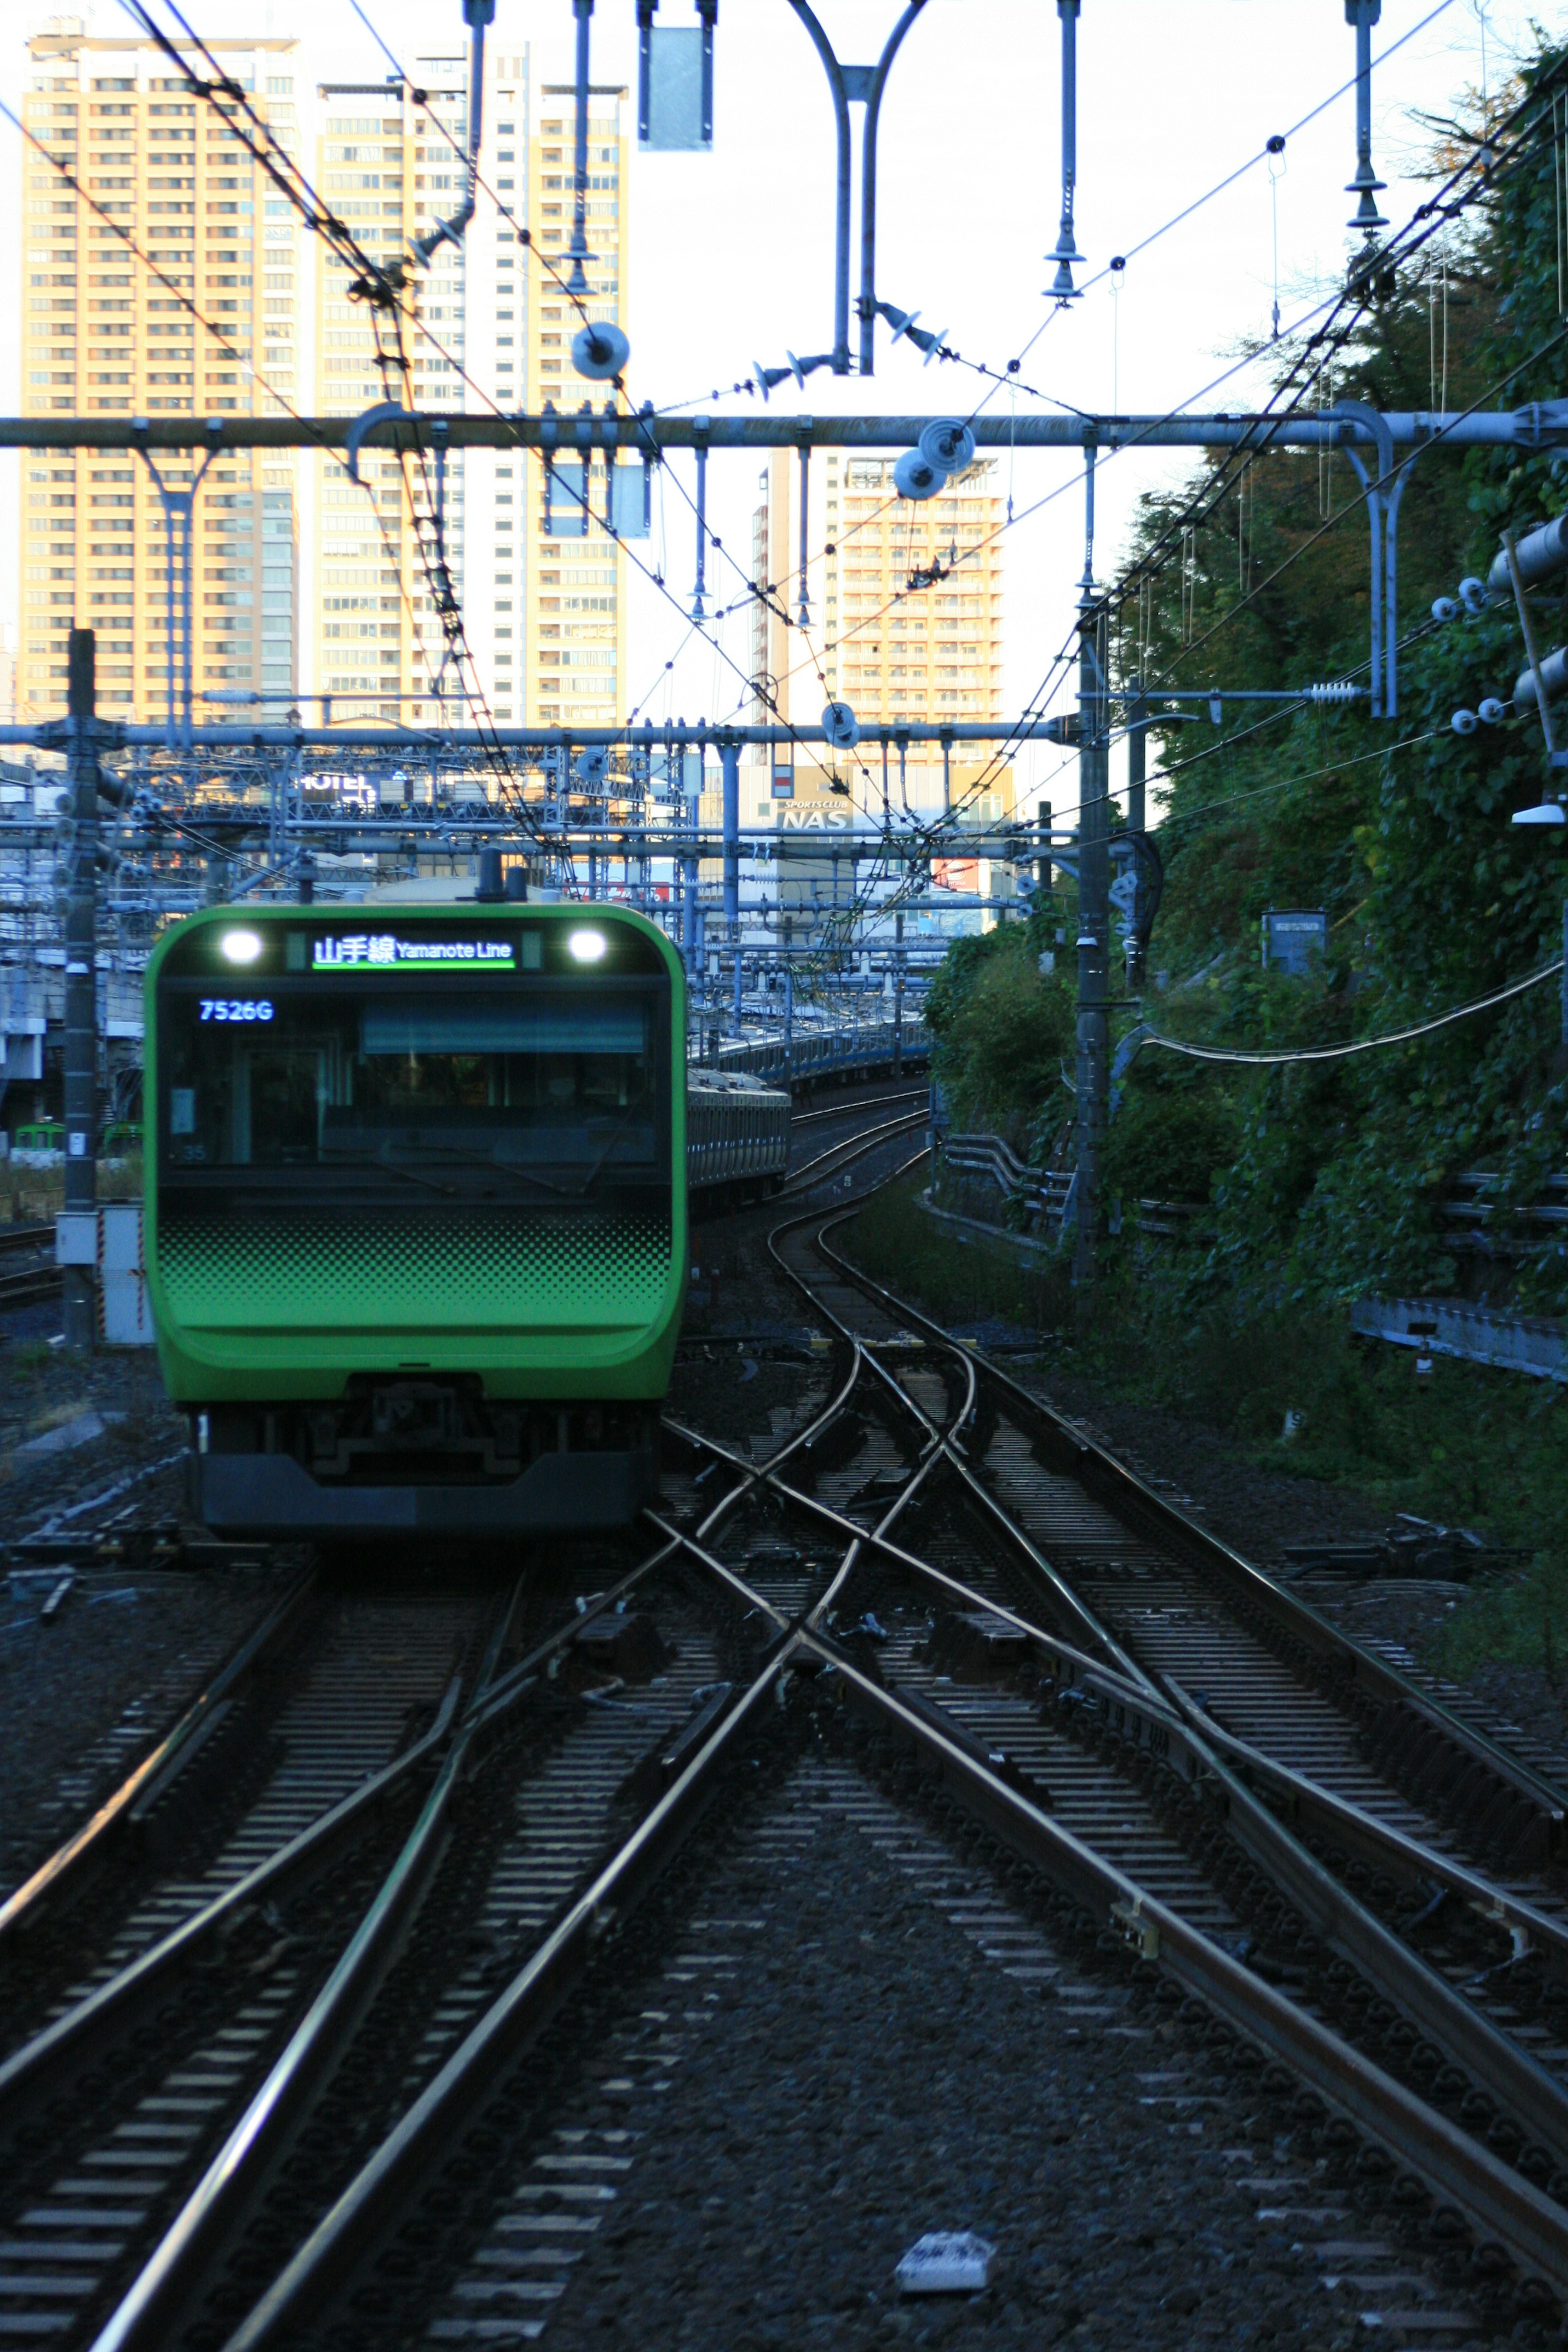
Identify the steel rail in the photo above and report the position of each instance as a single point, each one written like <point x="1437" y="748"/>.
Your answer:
<point x="164" y="2290"/>
<point x="454" y="2100"/>
<point x="88" y="1844"/>
<point x="1086" y="1624"/>
<point x="49" y="2064"/>
<point x="847" y="1109"/>
<point x="30" y="1287"/>
<point x="149" y="2315"/>
<point x="1078" y="1660"/>
<point x="1500" y="2203"/>
<point x="851" y="1147"/>
<point x="15" y="1239"/>
<point x="236" y="2176"/>
<point x="1133" y="1713"/>
<point x="754" y="1473"/>
<point x="935" y="1451"/>
<point x="1122" y="1485"/>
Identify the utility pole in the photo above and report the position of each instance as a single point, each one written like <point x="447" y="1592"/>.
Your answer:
<point x="730" y="757"/>
<point x="1093" y="901"/>
<point x="81" y="975"/>
<point x="898" y="996"/>
<point x="1137" y="744"/>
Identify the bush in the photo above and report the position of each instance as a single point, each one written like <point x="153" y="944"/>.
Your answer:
<point x="1165" y="1143"/>
<point x="1005" y="1029"/>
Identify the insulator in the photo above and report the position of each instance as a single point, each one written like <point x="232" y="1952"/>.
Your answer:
<point x="1539" y="553"/>
<point x="1473" y="594"/>
<point x="1334" y="690"/>
<point x="947" y="442"/>
<point x="1446" y="608"/>
<point x="600" y="351"/>
<point x="1465" y="722"/>
<point x="914" y="476"/>
<point x="1492" y="711"/>
<point x="766" y="377"/>
<point x="1554" y="677"/>
<point x="840" y="726"/>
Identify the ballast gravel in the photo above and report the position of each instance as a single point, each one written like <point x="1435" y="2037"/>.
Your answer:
<point x="856" y="2036"/>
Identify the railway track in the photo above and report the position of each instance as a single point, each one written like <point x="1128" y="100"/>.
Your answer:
<point x="362" y="1944"/>
<point x="1107" y="1589"/>
<point x="1054" y="1785"/>
<point x="27" y="1285"/>
<point x="938" y="1574"/>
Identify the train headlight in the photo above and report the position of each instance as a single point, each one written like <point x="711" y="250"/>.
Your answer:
<point x="241" y="947"/>
<point x="586" y="946"/>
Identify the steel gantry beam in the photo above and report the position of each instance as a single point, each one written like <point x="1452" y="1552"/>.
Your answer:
<point x="1542" y="424"/>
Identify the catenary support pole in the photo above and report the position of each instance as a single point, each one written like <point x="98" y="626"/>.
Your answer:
<point x="1094" y="902"/>
<point x="1137" y="755"/>
<point x="578" y="251"/>
<point x="82" y="974"/>
<point x="834" y="73"/>
<point x="1363" y="14"/>
<point x="876" y="82"/>
<point x="898" y="996"/>
<point x="729" y="758"/>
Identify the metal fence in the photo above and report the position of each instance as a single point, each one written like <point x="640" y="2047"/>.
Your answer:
<point x="808" y="1053"/>
<point x="1045" y="1194"/>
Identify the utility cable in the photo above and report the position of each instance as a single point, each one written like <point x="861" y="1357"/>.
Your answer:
<point x="1360" y="1045"/>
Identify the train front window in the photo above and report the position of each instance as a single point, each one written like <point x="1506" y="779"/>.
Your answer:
<point x="545" y="1089"/>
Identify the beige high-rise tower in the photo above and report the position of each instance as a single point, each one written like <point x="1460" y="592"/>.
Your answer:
<point x="905" y="602"/>
<point x="543" y="617"/>
<point x="105" y="331"/>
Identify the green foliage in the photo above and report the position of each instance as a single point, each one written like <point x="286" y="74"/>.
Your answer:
<point x="1169" y="1140"/>
<point x="1334" y="1179"/>
<point x="1003" y="1030"/>
<point x="899" y="1242"/>
<point x="1520" y="1616"/>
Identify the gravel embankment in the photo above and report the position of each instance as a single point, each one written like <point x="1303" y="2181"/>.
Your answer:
<point x="859" y="2032"/>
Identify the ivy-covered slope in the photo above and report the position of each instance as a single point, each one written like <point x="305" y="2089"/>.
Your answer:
<point x="1325" y="1183"/>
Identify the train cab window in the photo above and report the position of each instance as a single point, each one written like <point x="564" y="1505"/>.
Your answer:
<point x="418" y="1092"/>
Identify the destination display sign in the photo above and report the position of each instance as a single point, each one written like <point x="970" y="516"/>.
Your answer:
<point x="386" y="950"/>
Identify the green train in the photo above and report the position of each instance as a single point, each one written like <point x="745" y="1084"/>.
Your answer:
<point x="417" y="1212"/>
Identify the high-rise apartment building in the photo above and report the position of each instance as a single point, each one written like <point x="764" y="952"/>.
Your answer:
<point x="108" y="329"/>
<point x="491" y="328"/>
<point x="906" y="611"/>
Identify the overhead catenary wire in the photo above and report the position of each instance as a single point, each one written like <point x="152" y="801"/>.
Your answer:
<point x="811" y="650"/>
<point x="652" y="577"/>
<point x="348" y="251"/>
<point x="1218" y="189"/>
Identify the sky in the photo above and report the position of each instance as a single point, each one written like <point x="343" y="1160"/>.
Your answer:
<point x="732" y="252"/>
